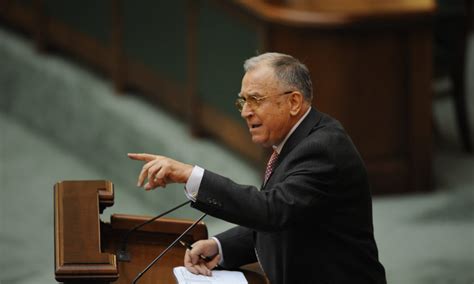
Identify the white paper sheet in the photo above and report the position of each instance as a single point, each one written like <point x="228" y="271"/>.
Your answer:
<point x="218" y="277"/>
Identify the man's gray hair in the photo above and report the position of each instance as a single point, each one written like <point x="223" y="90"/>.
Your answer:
<point x="288" y="70"/>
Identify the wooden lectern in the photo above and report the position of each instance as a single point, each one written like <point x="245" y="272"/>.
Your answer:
<point x="85" y="246"/>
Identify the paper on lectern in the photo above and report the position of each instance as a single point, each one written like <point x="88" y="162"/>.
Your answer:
<point x="183" y="276"/>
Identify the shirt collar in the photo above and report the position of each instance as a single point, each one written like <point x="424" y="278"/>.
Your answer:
<point x="278" y="147"/>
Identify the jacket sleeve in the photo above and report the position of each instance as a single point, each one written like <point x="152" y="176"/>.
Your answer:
<point x="297" y="191"/>
<point x="237" y="247"/>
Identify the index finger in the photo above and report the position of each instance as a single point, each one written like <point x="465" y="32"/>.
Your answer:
<point x="141" y="157"/>
<point x="188" y="263"/>
<point x="187" y="259"/>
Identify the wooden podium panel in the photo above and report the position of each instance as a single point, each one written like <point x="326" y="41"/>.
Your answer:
<point x="148" y="243"/>
<point x="85" y="247"/>
<point x="78" y="252"/>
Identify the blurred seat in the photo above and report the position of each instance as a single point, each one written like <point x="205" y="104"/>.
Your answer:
<point x="453" y="23"/>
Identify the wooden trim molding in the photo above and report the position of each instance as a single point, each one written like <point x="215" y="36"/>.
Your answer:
<point x="157" y="87"/>
<point x="78" y="252"/>
<point x="339" y="14"/>
<point x="85" y="47"/>
<point x="21" y="15"/>
<point x="163" y="225"/>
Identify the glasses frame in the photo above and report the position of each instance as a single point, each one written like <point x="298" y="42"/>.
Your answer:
<point x="255" y="101"/>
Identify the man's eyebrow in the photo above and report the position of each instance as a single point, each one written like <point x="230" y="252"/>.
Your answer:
<point x="251" y="94"/>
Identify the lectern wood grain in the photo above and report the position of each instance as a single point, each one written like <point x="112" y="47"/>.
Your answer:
<point x="77" y="231"/>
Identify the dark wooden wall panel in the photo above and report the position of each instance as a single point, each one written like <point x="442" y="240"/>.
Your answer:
<point x="90" y="17"/>
<point x="154" y="34"/>
<point x="221" y="50"/>
<point x="371" y="64"/>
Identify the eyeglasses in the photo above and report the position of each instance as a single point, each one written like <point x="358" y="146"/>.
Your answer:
<point x="254" y="102"/>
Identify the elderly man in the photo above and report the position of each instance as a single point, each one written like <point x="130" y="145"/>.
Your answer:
<point x="311" y="221"/>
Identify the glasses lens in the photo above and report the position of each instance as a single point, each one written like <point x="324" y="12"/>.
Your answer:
<point x="239" y="104"/>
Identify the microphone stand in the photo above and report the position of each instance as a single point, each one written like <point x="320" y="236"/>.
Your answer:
<point x="167" y="249"/>
<point x="122" y="254"/>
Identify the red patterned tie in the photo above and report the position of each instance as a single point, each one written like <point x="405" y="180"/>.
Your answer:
<point x="270" y="166"/>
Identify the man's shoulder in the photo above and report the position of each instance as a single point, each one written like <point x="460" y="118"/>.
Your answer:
<point x="317" y="132"/>
<point x="327" y="127"/>
<point x="328" y="135"/>
<point x="327" y="121"/>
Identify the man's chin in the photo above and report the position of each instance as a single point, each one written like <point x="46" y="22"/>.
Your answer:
<point x="259" y="141"/>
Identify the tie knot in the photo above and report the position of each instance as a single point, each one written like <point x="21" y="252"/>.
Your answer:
<point x="270" y="165"/>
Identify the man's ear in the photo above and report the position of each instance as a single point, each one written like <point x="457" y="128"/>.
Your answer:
<point x="296" y="102"/>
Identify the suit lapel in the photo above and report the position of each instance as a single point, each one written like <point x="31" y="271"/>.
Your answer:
<point x="299" y="134"/>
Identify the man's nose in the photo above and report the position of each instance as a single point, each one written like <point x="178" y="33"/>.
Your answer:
<point x="246" y="111"/>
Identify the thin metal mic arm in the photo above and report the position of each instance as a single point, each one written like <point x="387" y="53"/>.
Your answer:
<point x="122" y="254"/>
<point x="167" y="249"/>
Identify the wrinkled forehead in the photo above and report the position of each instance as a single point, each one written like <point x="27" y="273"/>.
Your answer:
<point x="259" y="81"/>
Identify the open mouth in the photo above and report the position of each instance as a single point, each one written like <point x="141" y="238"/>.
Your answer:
<point x="253" y="126"/>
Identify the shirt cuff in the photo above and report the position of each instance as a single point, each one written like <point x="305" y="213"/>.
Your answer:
<point x="221" y="261"/>
<point x="191" y="188"/>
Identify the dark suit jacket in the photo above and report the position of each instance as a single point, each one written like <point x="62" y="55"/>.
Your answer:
<point x="312" y="221"/>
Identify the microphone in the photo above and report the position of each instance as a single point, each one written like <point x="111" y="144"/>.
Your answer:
<point x="167" y="249"/>
<point x="122" y="253"/>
